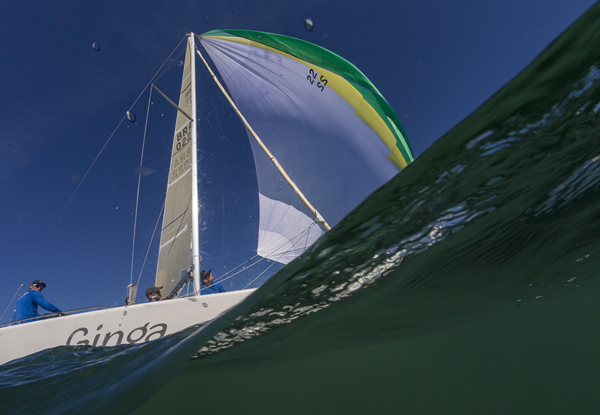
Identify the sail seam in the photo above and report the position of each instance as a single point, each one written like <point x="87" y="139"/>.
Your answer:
<point x="173" y="238"/>
<point x="180" y="177"/>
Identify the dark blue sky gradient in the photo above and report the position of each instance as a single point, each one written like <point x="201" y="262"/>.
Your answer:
<point x="434" y="61"/>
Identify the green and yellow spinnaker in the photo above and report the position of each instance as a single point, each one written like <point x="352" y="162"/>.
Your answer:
<point x="325" y="122"/>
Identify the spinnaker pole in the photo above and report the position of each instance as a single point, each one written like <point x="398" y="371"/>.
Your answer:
<point x="283" y="173"/>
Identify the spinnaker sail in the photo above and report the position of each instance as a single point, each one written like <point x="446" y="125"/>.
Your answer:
<point x="323" y="120"/>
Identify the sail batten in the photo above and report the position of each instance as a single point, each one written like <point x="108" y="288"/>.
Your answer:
<point x="182" y="176"/>
<point x="169" y="242"/>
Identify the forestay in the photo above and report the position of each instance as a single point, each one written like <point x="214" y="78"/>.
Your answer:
<point x="324" y="121"/>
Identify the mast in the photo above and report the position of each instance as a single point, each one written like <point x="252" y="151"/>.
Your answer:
<point x="195" y="204"/>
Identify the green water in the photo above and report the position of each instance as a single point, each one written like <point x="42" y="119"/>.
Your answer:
<point x="541" y="358"/>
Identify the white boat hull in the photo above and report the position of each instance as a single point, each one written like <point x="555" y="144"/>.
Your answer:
<point x="110" y="327"/>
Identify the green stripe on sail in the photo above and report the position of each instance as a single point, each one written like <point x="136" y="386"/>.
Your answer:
<point x="390" y="118"/>
<point x="304" y="50"/>
<point x="319" y="56"/>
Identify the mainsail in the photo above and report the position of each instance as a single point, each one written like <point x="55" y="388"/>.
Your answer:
<point x="176" y="237"/>
<point x="323" y="120"/>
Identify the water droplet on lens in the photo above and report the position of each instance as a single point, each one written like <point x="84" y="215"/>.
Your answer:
<point x="308" y="24"/>
<point x="130" y="116"/>
<point x="95" y="46"/>
<point x="144" y="170"/>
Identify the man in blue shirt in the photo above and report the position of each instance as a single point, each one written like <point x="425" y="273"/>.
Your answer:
<point x="207" y="287"/>
<point x="27" y="305"/>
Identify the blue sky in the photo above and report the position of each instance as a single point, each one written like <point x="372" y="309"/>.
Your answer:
<point x="435" y="62"/>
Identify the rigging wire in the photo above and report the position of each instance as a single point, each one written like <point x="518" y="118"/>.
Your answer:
<point x="74" y="193"/>
<point x="154" y="79"/>
<point x="137" y="198"/>
<point x="259" y="275"/>
<point x="297" y="237"/>
<point x="11" y="300"/>
<point x="150" y="244"/>
<point x="306" y="232"/>
<point x="232" y="273"/>
<point x="100" y="152"/>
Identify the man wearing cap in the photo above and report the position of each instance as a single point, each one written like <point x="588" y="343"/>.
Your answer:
<point x="27" y="305"/>
<point x="207" y="287"/>
<point x="153" y="294"/>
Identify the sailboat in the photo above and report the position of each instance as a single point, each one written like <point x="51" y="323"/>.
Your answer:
<point x="313" y="119"/>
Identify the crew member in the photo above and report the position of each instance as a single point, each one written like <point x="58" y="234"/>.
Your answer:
<point x="27" y="305"/>
<point x="153" y="294"/>
<point x="207" y="287"/>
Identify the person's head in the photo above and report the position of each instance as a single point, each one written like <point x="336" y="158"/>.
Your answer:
<point x="206" y="277"/>
<point x="37" y="285"/>
<point x="153" y="293"/>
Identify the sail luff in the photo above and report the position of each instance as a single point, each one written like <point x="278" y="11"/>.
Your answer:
<point x="271" y="157"/>
<point x="195" y="202"/>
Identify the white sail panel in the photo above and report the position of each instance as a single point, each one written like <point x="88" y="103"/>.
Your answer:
<point x="284" y="232"/>
<point x="334" y="157"/>
<point x="175" y="241"/>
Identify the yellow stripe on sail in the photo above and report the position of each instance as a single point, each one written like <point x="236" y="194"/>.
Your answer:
<point x="348" y="92"/>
